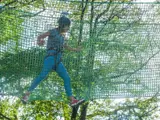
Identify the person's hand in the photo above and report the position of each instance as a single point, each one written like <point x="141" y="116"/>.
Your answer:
<point x="40" y="42"/>
<point x="78" y="49"/>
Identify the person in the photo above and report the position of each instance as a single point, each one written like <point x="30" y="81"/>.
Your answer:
<point x="55" y="45"/>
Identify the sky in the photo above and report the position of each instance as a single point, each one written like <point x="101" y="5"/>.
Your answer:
<point x="145" y="0"/>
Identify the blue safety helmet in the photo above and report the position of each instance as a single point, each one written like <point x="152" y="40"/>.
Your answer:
<point x="64" y="21"/>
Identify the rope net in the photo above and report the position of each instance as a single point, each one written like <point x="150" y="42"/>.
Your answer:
<point x="119" y="57"/>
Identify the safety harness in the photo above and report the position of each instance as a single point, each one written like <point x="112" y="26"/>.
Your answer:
<point x="55" y="55"/>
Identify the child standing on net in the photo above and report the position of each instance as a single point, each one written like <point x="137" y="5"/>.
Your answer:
<point x="55" y="45"/>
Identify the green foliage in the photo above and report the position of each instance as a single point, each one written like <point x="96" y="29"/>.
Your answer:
<point x="130" y="109"/>
<point x="113" y="45"/>
<point x="8" y="110"/>
<point x="13" y="109"/>
<point x="11" y="26"/>
<point x="114" y="49"/>
<point x="22" y="62"/>
<point x="17" y="67"/>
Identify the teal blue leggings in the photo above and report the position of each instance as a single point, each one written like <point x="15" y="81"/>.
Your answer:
<point x="53" y="62"/>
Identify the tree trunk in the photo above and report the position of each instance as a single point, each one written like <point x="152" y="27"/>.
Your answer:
<point x="84" y="111"/>
<point x="74" y="113"/>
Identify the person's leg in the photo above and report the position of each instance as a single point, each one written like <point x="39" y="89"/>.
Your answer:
<point x="47" y="67"/>
<point x="62" y="72"/>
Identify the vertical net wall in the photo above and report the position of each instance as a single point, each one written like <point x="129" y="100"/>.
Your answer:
<point x="119" y="57"/>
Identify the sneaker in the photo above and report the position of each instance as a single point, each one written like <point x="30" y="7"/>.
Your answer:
<point x="25" y="98"/>
<point x="75" y="102"/>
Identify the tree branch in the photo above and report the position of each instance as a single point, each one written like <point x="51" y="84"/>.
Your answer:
<point x="3" y="116"/>
<point x="22" y="5"/>
<point x="100" y="15"/>
<point x="131" y="73"/>
<point x="81" y="19"/>
<point x="7" y="4"/>
<point x="144" y="64"/>
<point x="112" y="15"/>
<point x="91" y="19"/>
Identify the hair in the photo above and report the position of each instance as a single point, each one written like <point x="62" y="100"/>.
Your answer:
<point x="64" y="21"/>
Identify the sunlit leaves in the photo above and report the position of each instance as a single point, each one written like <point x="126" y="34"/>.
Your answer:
<point x="132" y="109"/>
<point x="11" y="26"/>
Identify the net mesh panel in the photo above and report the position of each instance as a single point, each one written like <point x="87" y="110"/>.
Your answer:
<point x="119" y="57"/>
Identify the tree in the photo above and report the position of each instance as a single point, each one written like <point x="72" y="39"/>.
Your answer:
<point x="10" y="12"/>
<point x="9" y="31"/>
<point x="113" y="32"/>
<point x="8" y="111"/>
<point x="132" y="109"/>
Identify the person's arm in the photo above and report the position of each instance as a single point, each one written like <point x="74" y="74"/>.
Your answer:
<point x="72" y="49"/>
<point x="40" y="38"/>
